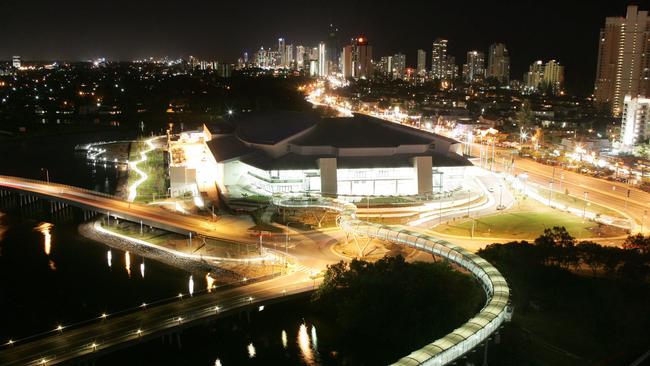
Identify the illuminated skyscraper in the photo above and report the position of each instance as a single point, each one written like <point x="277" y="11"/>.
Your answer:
<point x="322" y="60"/>
<point x="422" y="63"/>
<point x="300" y="57"/>
<point x="554" y="76"/>
<point x="399" y="66"/>
<point x="474" y="69"/>
<point x="15" y="61"/>
<point x="623" y="59"/>
<point x="439" y="59"/>
<point x="356" y="59"/>
<point x="346" y="61"/>
<point x="635" y="127"/>
<point x="533" y="78"/>
<point x="499" y="63"/>
<point x="333" y="48"/>
<point x="282" y="52"/>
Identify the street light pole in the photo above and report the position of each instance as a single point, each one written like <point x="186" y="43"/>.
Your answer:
<point x="47" y="174"/>
<point x="500" y="195"/>
<point x="584" y="207"/>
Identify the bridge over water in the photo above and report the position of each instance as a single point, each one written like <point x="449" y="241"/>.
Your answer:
<point x="105" y="336"/>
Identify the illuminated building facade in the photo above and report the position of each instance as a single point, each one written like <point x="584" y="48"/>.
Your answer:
<point x="474" y="69"/>
<point x="422" y="63"/>
<point x="623" y="59"/>
<point x="296" y="152"/>
<point x="499" y="63"/>
<point x="635" y="126"/>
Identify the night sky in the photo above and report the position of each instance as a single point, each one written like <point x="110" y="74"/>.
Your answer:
<point x="566" y="30"/>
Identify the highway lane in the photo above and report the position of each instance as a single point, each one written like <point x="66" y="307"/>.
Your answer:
<point x="603" y="192"/>
<point x="115" y="331"/>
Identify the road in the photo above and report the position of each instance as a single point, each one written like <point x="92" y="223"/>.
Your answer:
<point x="152" y="322"/>
<point x="603" y="192"/>
<point x="224" y="229"/>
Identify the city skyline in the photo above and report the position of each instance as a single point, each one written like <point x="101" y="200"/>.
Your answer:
<point x="172" y="29"/>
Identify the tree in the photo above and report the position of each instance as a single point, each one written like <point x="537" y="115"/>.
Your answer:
<point x="638" y="242"/>
<point x="525" y="116"/>
<point x="591" y="254"/>
<point x="557" y="244"/>
<point x="642" y="151"/>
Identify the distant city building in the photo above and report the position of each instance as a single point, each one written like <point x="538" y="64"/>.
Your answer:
<point x="346" y="61"/>
<point x="451" y="69"/>
<point x="439" y="59"/>
<point x="554" y="76"/>
<point x="16" y="62"/>
<point x="399" y="66"/>
<point x="333" y="49"/>
<point x="385" y="65"/>
<point x="300" y="57"/>
<point x="262" y="58"/>
<point x="623" y="59"/>
<point x="282" y="51"/>
<point x="313" y="68"/>
<point x="499" y="63"/>
<point x="542" y="76"/>
<point x="356" y="59"/>
<point x="635" y="126"/>
<point x="322" y="60"/>
<point x="290" y="61"/>
<point x="422" y="63"/>
<point x="533" y="78"/>
<point x="474" y="69"/>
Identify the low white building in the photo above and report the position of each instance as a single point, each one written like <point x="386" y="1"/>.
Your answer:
<point x="286" y="152"/>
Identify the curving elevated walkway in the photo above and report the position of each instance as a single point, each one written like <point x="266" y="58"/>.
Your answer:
<point x="463" y="339"/>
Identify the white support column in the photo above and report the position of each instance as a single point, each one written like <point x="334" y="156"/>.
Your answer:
<point x="424" y="172"/>
<point x="328" y="176"/>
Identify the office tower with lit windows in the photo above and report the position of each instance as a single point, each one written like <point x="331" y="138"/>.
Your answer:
<point x="474" y="69"/>
<point x="635" y="125"/>
<point x="15" y="62"/>
<point x="499" y="63"/>
<point x="623" y="59"/>
<point x="422" y="63"/>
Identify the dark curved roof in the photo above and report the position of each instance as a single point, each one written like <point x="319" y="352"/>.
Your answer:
<point x="362" y="131"/>
<point x="271" y="128"/>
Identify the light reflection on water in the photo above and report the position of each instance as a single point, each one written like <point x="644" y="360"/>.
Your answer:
<point x="209" y="281"/>
<point x="142" y="269"/>
<point x="284" y="339"/>
<point x="109" y="258"/>
<point x="307" y="346"/>
<point x="45" y="229"/>
<point x="127" y="262"/>
<point x="251" y="350"/>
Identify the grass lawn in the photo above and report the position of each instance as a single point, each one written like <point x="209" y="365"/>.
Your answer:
<point x="527" y="222"/>
<point x="156" y="169"/>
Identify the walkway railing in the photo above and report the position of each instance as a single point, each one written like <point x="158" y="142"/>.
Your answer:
<point x="463" y="339"/>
